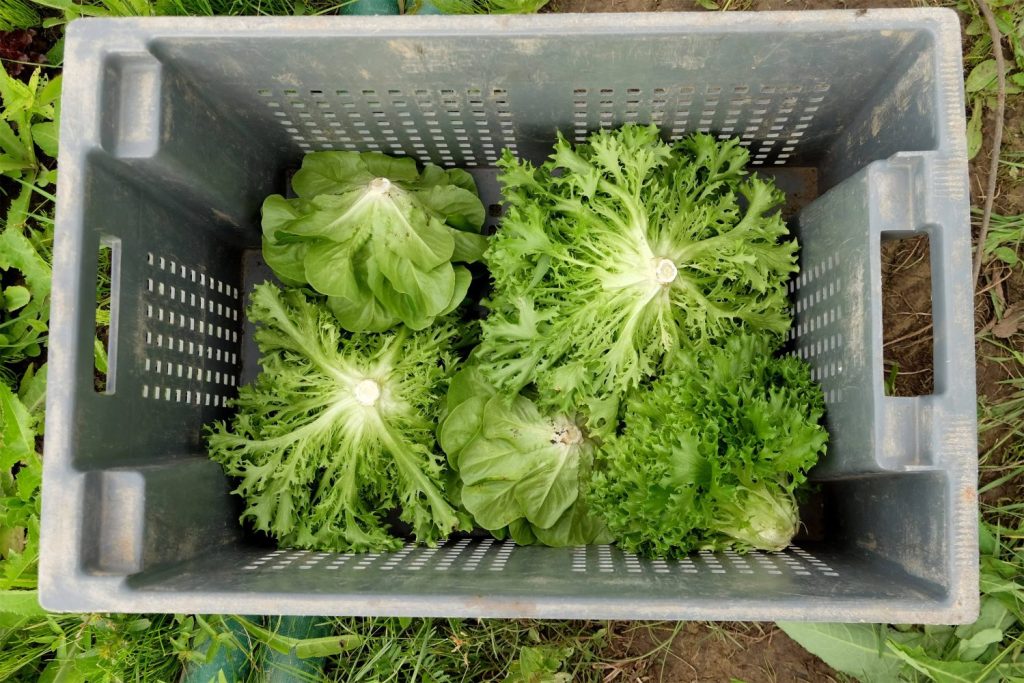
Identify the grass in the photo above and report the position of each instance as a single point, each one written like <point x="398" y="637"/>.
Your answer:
<point x="88" y="647"/>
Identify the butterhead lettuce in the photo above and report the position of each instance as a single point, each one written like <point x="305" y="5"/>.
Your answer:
<point x="376" y="235"/>
<point x="519" y="467"/>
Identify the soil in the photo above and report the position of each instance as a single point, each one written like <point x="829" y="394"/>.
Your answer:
<point x="707" y="653"/>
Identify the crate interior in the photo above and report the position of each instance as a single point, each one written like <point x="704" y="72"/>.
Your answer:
<point x="204" y="128"/>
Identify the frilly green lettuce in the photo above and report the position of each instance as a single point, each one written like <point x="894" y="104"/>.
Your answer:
<point x="712" y="452"/>
<point x="338" y="429"/>
<point x="615" y="253"/>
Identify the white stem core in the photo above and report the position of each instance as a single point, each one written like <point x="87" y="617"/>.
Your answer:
<point x="664" y="271"/>
<point x="569" y="435"/>
<point x="380" y="185"/>
<point x="367" y="392"/>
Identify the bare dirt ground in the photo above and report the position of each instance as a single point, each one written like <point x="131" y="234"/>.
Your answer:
<point x="712" y="653"/>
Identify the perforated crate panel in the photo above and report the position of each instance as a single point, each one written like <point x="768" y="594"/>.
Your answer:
<point x="489" y="555"/>
<point x="816" y="293"/>
<point x="192" y="341"/>
<point x="470" y="127"/>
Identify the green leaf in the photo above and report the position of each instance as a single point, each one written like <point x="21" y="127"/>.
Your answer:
<point x="329" y="269"/>
<point x="1006" y="255"/>
<point x="941" y="671"/>
<point x="1005" y="23"/>
<point x="13" y="166"/>
<point x="973" y="647"/>
<point x="459" y="207"/>
<point x="32" y="393"/>
<point x="17" y="97"/>
<point x="16" y="297"/>
<point x="974" y="124"/>
<point x="20" y="603"/>
<point x="976" y="27"/>
<point x="16" y="155"/>
<point x="462" y="426"/>
<point x="982" y="77"/>
<point x="49" y="94"/>
<point x="45" y="136"/>
<point x="377" y="236"/>
<point x="287" y="260"/>
<point x="18" y="439"/>
<point x="857" y="650"/>
<point x="366" y="315"/>
<point x="139" y="625"/>
<point x="99" y="355"/>
<point x="469" y="248"/>
<point x="414" y="295"/>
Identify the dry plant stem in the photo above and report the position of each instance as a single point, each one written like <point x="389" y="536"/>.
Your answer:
<point x="910" y="335"/>
<point x="997" y="134"/>
<point x="995" y="283"/>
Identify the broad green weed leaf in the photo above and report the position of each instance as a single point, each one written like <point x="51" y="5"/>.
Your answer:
<point x="20" y="603"/>
<point x="857" y="650"/>
<point x="17" y="440"/>
<point x="16" y="297"/>
<point x="975" y="646"/>
<point x="982" y="77"/>
<point x="45" y="136"/>
<point x="938" y="670"/>
<point x="993" y="620"/>
<point x="1006" y="255"/>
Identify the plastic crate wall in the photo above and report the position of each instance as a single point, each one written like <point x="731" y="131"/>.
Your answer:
<point x="176" y="129"/>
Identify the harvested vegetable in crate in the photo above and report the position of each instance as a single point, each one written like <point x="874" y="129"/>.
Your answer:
<point x="378" y="236"/>
<point x="616" y="253"/>
<point x="712" y="452"/>
<point x="518" y="467"/>
<point x="625" y="388"/>
<point x="338" y="429"/>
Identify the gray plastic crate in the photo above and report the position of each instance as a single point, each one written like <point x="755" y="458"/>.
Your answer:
<point x="174" y="130"/>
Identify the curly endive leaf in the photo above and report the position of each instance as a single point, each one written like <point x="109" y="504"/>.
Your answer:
<point x="712" y="452"/>
<point x="617" y="252"/>
<point x="338" y="429"/>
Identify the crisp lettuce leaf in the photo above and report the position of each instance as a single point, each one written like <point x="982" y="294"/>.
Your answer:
<point x="338" y="429"/>
<point x="378" y="237"/>
<point x="712" y="452"/>
<point x="615" y="253"/>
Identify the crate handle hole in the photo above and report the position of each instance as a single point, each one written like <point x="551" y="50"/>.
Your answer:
<point x="907" y="337"/>
<point x="107" y="298"/>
